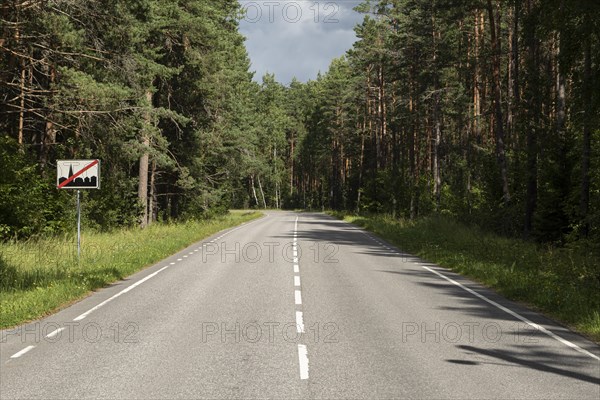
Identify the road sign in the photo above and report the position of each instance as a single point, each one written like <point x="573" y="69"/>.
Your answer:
<point x="78" y="174"/>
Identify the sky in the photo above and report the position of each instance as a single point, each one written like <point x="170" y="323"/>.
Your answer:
<point x="297" y="38"/>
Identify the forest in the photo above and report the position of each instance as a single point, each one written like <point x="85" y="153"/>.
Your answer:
<point x="484" y="111"/>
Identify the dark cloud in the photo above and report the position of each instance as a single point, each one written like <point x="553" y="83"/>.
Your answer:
<point x="297" y="38"/>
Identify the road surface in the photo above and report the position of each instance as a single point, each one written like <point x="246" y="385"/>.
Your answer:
<point x="239" y="315"/>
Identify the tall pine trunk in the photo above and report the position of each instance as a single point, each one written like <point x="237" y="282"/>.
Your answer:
<point x="49" y="135"/>
<point x="437" y="134"/>
<point x="254" y="190"/>
<point x="532" y="130"/>
<point x="144" y="163"/>
<point x="292" y="144"/>
<point x="22" y="78"/>
<point x="21" y="104"/>
<point x="412" y="143"/>
<point x="497" y="90"/>
<point x="262" y="193"/>
<point x="152" y="198"/>
<point x="513" y="70"/>
<point x="587" y="137"/>
<point x="361" y="163"/>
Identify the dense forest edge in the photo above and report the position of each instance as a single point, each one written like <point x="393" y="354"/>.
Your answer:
<point x="481" y="111"/>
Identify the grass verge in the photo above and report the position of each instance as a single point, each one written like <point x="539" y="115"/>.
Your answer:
<point x="564" y="283"/>
<point x="39" y="277"/>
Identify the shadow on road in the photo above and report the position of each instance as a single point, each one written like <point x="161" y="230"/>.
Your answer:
<point x="530" y="362"/>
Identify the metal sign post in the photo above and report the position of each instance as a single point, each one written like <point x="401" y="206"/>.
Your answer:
<point x="78" y="226"/>
<point x="78" y="174"/>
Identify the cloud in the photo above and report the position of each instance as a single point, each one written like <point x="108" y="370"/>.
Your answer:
<point x="297" y="38"/>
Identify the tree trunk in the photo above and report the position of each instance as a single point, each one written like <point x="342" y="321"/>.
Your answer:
<point x="143" y="169"/>
<point x="292" y="165"/>
<point x="143" y="183"/>
<point x="560" y="95"/>
<point x="513" y="53"/>
<point x="499" y="131"/>
<point x="378" y="128"/>
<point x="49" y="135"/>
<point x="437" y="179"/>
<point x="262" y="193"/>
<point x="276" y="176"/>
<point x="361" y="164"/>
<point x="437" y="135"/>
<point x="479" y="21"/>
<point x="254" y="190"/>
<point x="411" y="151"/>
<point x="152" y="198"/>
<point x="21" y="104"/>
<point x="381" y="109"/>
<point x="22" y="77"/>
<point x="587" y="137"/>
<point x="532" y="130"/>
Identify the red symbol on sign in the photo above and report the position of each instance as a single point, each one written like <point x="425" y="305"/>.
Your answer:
<point x="75" y="175"/>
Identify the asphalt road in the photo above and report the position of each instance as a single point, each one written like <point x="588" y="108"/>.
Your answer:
<point x="238" y="316"/>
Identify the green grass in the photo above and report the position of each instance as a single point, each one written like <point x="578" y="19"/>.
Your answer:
<point x="39" y="277"/>
<point x="564" y="283"/>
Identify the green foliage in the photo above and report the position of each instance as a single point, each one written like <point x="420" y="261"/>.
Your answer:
<point x="371" y="141"/>
<point x="29" y="203"/>
<point x="117" y="81"/>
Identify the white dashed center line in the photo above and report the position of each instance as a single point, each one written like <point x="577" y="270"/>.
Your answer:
<point x="299" y="322"/>
<point x="302" y="350"/>
<point x="303" y="359"/>
<point x="20" y="353"/>
<point x="55" y="332"/>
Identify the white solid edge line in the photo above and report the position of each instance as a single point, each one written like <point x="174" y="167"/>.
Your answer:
<point x="20" y="353"/>
<point x="298" y="297"/>
<point x="127" y="289"/>
<point x="296" y="281"/>
<point x="303" y="361"/>
<point x="518" y="316"/>
<point x="55" y="332"/>
<point x="299" y="322"/>
<point x="296" y="268"/>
